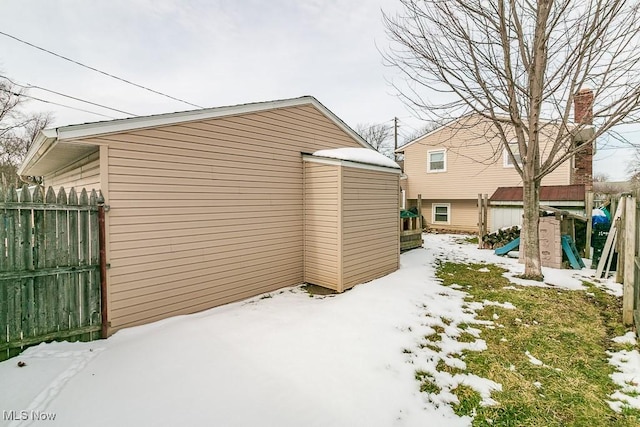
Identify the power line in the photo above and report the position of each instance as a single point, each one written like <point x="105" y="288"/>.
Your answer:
<point x="54" y="103"/>
<point x="99" y="71"/>
<point x="30" y="86"/>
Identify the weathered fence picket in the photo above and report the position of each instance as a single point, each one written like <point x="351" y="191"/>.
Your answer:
<point x="49" y="267"/>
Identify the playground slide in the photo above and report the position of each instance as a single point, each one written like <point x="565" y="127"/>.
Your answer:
<point x="503" y="250"/>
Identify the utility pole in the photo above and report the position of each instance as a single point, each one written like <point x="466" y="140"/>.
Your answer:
<point x="395" y="138"/>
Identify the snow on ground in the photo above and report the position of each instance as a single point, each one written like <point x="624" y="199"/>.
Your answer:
<point x="627" y="364"/>
<point x="283" y="359"/>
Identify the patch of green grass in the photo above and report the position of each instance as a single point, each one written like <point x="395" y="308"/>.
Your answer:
<point x="427" y="382"/>
<point x="435" y="336"/>
<point x="443" y="367"/>
<point x="469" y="239"/>
<point x="466" y="337"/>
<point x="469" y="400"/>
<point x="569" y="331"/>
<point x="430" y="345"/>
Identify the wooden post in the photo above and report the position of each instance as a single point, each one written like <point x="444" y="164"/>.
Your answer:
<point x="480" y="234"/>
<point x="485" y="215"/>
<point x="612" y="207"/>
<point x="588" y="207"/>
<point x="622" y="237"/>
<point x="629" y="261"/>
<point x="104" y="332"/>
<point x="609" y="244"/>
<point x="420" y="225"/>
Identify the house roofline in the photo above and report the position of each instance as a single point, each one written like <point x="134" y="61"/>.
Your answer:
<point x="440" y="128"/>
<point x="47" y="138"/>
<point x="434" y="131"/>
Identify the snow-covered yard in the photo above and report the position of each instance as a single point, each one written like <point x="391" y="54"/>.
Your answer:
<point x="282" y="359"/>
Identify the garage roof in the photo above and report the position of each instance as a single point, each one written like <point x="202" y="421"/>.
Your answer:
<point x="58" y="147"/>
<point x="556" y="193"/>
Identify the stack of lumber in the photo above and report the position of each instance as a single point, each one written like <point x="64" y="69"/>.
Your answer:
<point x="500" y="237"/>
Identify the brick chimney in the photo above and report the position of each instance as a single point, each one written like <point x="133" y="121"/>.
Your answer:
<point x="583" y="161"/>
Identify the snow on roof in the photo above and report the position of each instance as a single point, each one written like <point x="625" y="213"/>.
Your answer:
<point x="359" y="155"/>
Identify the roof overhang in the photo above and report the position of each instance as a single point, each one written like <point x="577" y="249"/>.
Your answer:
<point x="58" y="147"/>
<point x="48" y="154"/>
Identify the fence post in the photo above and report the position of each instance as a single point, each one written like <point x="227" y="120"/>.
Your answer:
<point x="420" y="225"/>
<point x="588" y="207"/>
<point x="485" y="215"/>
<point x="629" y="262"/>
<point x="480" y="232"/>
<point x="103" y="267"/>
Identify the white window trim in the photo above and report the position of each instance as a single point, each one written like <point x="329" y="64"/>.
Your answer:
<point x="433" y="213"/>
<point x="440" y="150"/>
<point x="506" y="161"/>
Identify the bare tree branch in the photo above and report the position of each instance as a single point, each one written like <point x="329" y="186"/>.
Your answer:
<point x="17" y="131"/>
<point x="519" y="64"/>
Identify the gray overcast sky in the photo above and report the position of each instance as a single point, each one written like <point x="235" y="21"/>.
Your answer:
<point x="212" y="53"/>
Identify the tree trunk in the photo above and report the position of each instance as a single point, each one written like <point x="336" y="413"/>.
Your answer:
<point x="529" y="235"/>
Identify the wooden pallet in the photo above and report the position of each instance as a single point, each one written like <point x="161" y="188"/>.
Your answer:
<point x="609" y="245"/>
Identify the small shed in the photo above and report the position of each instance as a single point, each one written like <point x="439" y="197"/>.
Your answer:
<point x="351" y="222"/>
<point x="506" y="203"/>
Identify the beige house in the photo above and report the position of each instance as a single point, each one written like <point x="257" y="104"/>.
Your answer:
<point x="451" y="165"/>
<point x="212" y="206"/>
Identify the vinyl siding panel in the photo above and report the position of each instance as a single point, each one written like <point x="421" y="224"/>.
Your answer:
<point x="370" y="231"/>
<point x="321" y="225"/>
<point x="84" y="173"/>
<point x="210" y="212"/>
<point x="463" y="215"/>
<point x="474" y="164"/>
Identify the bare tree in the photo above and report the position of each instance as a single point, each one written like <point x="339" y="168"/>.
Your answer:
<point x="520" y="64"/>
<point x="17" y="131"/>
<point x="379" y="136"/>
<point x="422" y="131"/>
<point x="633" y="167"/>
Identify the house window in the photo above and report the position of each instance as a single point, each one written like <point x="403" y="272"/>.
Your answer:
<point x="515" y="149"/>
<point x="437" y="161"/>
<point x="440" y="213"/>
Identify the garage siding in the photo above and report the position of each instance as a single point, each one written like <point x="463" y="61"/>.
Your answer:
<point x="85" y="173"/>
<point x="321" y="225"/>
<point x="208" y="212"/>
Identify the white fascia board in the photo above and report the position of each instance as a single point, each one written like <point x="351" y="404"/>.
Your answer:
<point x="135" y="123"/>
<point x="41" y="145"/>
<point x="348" y="163"/>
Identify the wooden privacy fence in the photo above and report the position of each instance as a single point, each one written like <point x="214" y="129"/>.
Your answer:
<point x="623" y="240"/>
<point x="49" y="267"/>
<point x="631" y="260"/>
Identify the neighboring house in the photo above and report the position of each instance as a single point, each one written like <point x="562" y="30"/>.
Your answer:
<point x="212" y="206"/>
<point x="451" y="165"/>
